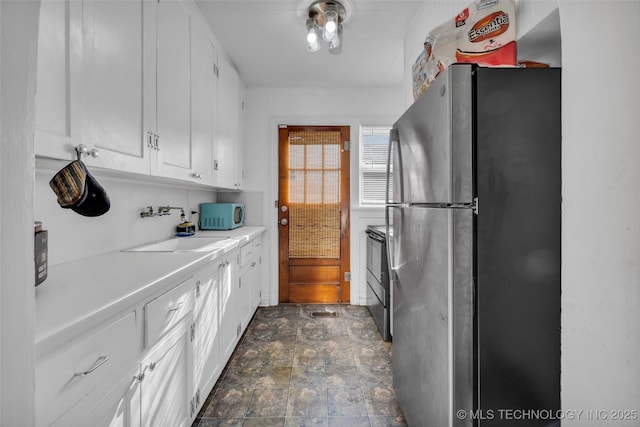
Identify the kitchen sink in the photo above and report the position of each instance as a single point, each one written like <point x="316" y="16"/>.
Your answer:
<point x="181" y="244"/>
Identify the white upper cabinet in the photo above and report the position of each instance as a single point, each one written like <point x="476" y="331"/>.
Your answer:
<point x="58" y="93"/>
<point x="140" y="82"/>
<point x="240" y="139"/>
<point x="114" y="119"/>
<point x="173" y="90"/>
<point x="204" y="88"/>
<point x="227" y="174"/>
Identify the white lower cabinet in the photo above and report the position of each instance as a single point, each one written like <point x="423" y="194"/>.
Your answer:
<point x="207" y="361"/>
<point x="118" y="407"/>
<point x="154" y="365"/>
<point x="86" y="370"/>
<point x="166" y="386"/>
<point x="250" y="278"/>
<point x="167" y="310"/>
<point x="229" y="301"/>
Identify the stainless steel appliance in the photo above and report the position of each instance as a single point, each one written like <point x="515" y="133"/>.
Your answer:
<point x="476" y="249"/>
<point x="378" y="292"/>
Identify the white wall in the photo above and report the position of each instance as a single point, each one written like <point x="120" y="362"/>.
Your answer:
<point x="268" y="107"/>
<point x="600" y="226"/>
<point x="73" y="236"/>
<point x="18" y="39"/>
<point x="601" y="172"/>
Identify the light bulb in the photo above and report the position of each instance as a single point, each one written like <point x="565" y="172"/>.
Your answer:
<point x="313" y="47"/>
<point x="330" y="25"/>
<point x="312" y="37"/>
<point x="335" y="47"/>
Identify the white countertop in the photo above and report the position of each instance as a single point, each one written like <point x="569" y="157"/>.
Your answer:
<point x="79" y="295"/>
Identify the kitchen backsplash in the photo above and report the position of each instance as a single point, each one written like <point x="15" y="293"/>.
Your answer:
<point x="73" y="237"/>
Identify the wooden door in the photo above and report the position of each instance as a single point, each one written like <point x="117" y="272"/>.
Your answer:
<point x="313" y="214"/>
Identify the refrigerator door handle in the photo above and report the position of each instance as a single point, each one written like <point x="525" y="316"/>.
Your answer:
<point x="390" y="239"/>
<point x="393" y="137"/>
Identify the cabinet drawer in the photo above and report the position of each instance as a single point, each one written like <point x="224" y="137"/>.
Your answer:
<point x="67" y="377"/>
<point x="117" y="406"/>
<point x="246" y="254"/>
<point x="164" y="312"/>
<point x="257" y="244"/>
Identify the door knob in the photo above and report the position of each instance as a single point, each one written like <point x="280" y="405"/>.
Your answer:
<point x="284" y="221"/>
<point x="284" y="208"/>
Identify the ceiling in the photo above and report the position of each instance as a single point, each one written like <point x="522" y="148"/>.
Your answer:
<point x="265" y="40"/>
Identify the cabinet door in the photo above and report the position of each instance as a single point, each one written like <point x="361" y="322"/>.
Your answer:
<point x="207" y="363"/>
<point x="173" y="90"/>
<point x="58" y="98"/>
<point x="255" y="273"/>
<point x="114" y="73"/>
<point x="203" y="102"/>
<point x="240" y="149"/>
<point x="166" y="388"/>
<point x="227" y="129"/>
<point x="256" y="282"/>
<point x="119" y="407"/>
<point x="249" y="288"/>
<point x="164" y="312"/>
<point x="229" y="301"/>
<point x="244" y="302"/>
<point x="85" y="370"/>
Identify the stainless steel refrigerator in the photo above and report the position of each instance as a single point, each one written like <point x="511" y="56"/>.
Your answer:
<point x="475" y="251"/>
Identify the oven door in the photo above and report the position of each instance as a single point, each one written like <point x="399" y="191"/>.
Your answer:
<point x="375" y="251"/>
<point x="377" y="293"/>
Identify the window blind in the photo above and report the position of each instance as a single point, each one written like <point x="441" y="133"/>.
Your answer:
<point x="314" y="194"/>
<point x="374" y="142"/>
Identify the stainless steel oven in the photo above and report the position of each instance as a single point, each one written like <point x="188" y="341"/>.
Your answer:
<point x="378" y="292"/>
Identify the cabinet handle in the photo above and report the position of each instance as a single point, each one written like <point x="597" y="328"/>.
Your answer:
<point x="151" y="366"/>
<point x="101" y="361"/>
<point x="176" y="308"/>
<point x="150" y="140"/>
<point x="82" y="149"/>
<point x="157" y="142"/>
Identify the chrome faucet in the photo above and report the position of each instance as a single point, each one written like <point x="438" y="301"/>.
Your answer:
<point x="162" y="210"/>
<point x="148" y="213"/>
<point x="166" y="210"/>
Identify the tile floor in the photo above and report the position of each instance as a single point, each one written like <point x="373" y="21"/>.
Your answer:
<point x="294" y="370"/>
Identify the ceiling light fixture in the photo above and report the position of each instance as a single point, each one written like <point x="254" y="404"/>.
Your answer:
<point x="324" y="21"/>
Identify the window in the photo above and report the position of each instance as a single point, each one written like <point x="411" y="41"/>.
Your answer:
<point x="374" y="145"/>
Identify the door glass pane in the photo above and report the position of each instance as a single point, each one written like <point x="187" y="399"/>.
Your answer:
<point x="314" y="194"/>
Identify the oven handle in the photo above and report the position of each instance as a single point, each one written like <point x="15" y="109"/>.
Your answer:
<point x="373" y="236"/>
